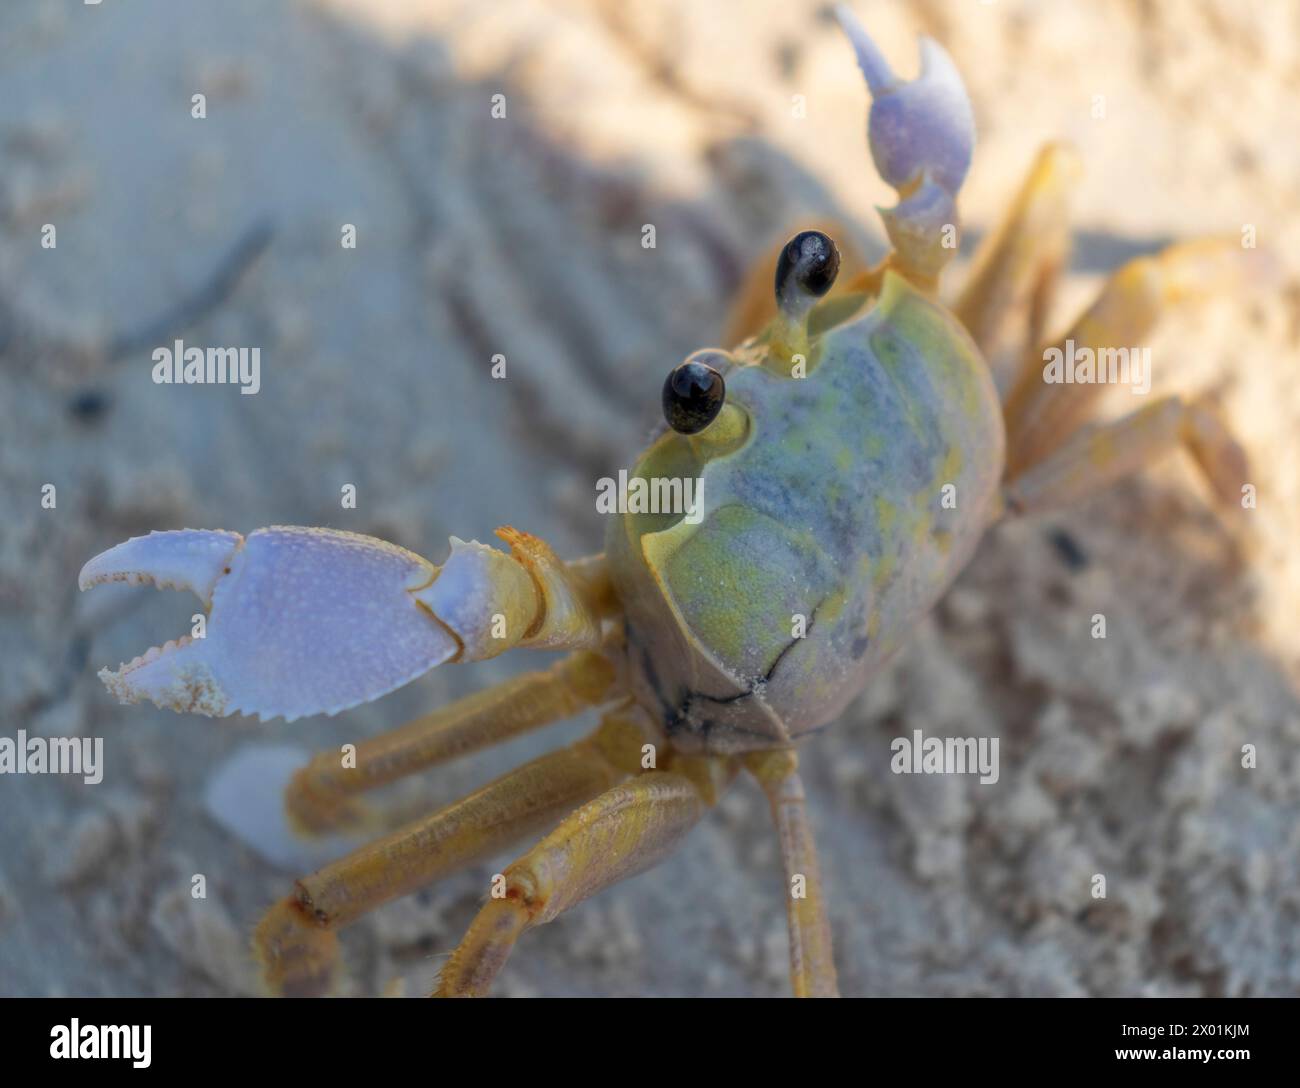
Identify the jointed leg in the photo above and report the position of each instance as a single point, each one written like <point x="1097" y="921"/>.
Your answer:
<point x="621" y="833"/>
<point x="1014" y="274"/>
<point x="296" y="940"/>
<point x="812" y="964"/>
<point x="321" y="796"/>
<point x="1095" y="457"/>
<point x="1040" y="415"/>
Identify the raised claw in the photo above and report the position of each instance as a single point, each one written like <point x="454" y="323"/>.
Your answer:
<point x="314" y="621"/>
<point x="922" y="127"/>
<point x="302" y="621"/>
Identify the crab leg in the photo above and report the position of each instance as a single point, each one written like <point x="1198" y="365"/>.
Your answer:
<point x="624" y="831"/>
<point x="309" y="621"/>
<point x="1040" y="415"/>
<point x="812" y="963"/>
<point x="296" y="941"/>
<point x="320" y="797"/>
<point x="1095" y="457"/>
<point x="1005" y="301"/>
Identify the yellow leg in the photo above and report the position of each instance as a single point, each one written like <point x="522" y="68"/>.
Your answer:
<point x="1040" y="415"/>
<point x="812" y="963"/>
<point x="296" y="941"/>
<point x="1097" y="456"/>
<point x="1005" y="301"/>
<point x="621" y="833"/>
<point x="322" y="796"/>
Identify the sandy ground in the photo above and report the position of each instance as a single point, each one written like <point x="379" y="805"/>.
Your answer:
<point x="522" y="236"/>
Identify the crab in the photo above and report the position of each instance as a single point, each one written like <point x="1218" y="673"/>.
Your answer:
<point x="852" y="448"/>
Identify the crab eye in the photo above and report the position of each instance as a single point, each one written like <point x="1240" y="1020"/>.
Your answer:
<point x="812" y="259"/>
<point x="693" y="394"/>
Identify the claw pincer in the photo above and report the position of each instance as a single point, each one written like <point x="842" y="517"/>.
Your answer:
<point x="922" y="135"/>
<point x="309" y="621"/>
<point x="301" y="620"/>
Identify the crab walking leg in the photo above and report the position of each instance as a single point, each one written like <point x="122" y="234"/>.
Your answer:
<point x="1015" y="271"/>
<point x="321" y="796"/>
<point x="1097" y="456"/>
<point x="1040" y="414"/>
<point x="812" y="964"/>
<point x="624" y="831"/>
<point x="296" y="941"/>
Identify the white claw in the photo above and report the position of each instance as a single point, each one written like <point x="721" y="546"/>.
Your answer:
<point x="302" y="621"/>
<point x="190" y="559"/>
<point x="916" y="127"/>
<point x="483" y="596"/>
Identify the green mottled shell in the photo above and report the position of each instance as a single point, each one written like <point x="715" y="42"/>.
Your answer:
<point x="831" y="510"/>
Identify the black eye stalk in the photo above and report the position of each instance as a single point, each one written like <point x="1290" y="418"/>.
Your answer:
<point x="805" y="271"/>
<point x="694" y="392"/>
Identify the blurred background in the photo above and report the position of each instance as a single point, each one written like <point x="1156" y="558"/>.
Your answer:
<point x="522" y="236"/>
